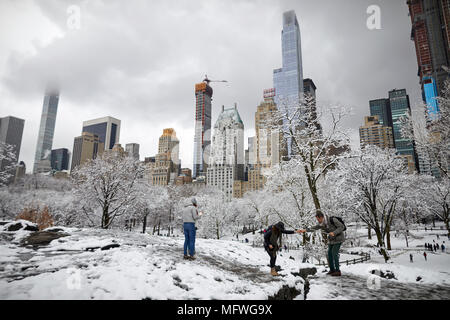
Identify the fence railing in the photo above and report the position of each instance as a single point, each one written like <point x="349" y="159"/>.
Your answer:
<point x="365" y="257"/>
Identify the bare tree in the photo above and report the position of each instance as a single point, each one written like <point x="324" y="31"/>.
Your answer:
<point x="107" y="185"/>
<point x="312" y="149"/>
<point x="371" y="185"/>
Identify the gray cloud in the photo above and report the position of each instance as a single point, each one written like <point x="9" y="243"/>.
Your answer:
<point x="139" y="60"/>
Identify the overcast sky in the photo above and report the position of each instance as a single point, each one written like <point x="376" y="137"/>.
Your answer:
<point x="138" y="61"/>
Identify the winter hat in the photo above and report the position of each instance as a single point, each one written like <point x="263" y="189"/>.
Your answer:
<point x="194" y="201"/>
<point x="280" y="226"/>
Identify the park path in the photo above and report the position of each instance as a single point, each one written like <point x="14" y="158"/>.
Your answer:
<point x="352" y="287"/>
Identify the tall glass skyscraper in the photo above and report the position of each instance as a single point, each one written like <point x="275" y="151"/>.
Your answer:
<point x="382" y="109"/>
<point x="46" y="132"/>
<point x="107" y="129"/>
<point x="288" y="80"/>
<point x="400" y="107"/>
<point x="60" y="159"/>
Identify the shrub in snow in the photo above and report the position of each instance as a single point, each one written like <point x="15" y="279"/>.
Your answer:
<point x="42" y="218"/>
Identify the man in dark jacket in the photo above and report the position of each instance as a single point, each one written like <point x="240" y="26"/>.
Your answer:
<point x="272" y="243"/>
<point x="335" y="232"/>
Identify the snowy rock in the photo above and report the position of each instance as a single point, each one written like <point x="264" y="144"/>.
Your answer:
<point x="305" y="272"/>
<point x="110" y="246"/>
<point x="42" y="238"/>
<point x="386" y="275"/>
<point x="285" y="293"/>
<point x="54" y="229"/>
<point x="21" y="225"/>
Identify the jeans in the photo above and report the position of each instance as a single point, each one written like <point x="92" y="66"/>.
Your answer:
<point x="189" y="238"/>
<point x="333" y="256"/>
<point x="273" y="256"/>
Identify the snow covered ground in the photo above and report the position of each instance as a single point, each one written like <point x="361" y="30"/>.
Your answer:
<point x="420" y="279"/>
<point x="152" y="267"/>
<point x="143" y="267"/>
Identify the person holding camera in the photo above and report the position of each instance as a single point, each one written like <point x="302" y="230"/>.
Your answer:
<point x="190" y="215"/>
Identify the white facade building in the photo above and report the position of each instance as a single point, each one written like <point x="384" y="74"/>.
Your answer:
<point x="226" y="162"/>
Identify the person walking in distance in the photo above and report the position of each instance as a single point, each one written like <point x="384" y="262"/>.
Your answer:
<point x="334" y="228"/>
<point x="272" y="243"/>
<point x="190" y="214"/>
<point x="410" y="257"/>
<point x="425" y="255"/>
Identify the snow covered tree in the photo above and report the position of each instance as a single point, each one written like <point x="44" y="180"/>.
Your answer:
<point x="150" y="201"/>
<point x="7" y="163"/>
<point x="216" y="214"/>
<point x="106" y="187"/>
<point x="370" y="186"/>
<point x="290" y="197"/>
<point x="438" y="196"/>
<point x="312" y="149"/>
<point x="432" y="134"/>
<point x="413" y="206"/>
<point x="255" y="208"/>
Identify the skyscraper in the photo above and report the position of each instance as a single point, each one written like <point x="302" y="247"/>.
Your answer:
<point x="60" y="159"/>
<point x="227" y="151"/>
<point x="400" y="107"/>
<point x="11" y="131"/>
<point x="46" y="132"/>
<point x="86" y="147"/>
<point x="382" y="109"/>
<point x="202" y="138"/>
<point x="431" y="32"/>
<point x="374" y="133"/>
<point x="288" y="80"/>
<point x="166" y="165"/>
<point x="107" y="129"/>
<point x="133" y="150"/>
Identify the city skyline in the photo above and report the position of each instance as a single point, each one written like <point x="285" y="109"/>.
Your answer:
<point x="139" y="111"/>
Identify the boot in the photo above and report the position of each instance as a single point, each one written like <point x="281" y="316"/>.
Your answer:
<point x="274" y="272"/>
<point x="330" y="272"/>
<point x="336" y="274"/>
<point x="192" y="257"/>
<point x="185" y="257"/>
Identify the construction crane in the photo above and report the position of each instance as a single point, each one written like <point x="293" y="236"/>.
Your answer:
<point x="208" y="80"/>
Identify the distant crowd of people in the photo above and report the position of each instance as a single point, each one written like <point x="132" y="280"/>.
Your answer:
<point x="435" y="246"/>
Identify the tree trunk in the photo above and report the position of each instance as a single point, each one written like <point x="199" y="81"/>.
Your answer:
<point x="144" y="224"/>
<point x="406" y="238"/>
<point x="217" y="231"/>
<point x="383" y="251"/>
<point x="369" y="233"/>
<point x="388" y="238"/>
<point x="446" y="225"/>
<point x="105" y="217"/>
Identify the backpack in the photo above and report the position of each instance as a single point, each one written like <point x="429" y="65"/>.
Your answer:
<point x="340" y="220"/>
